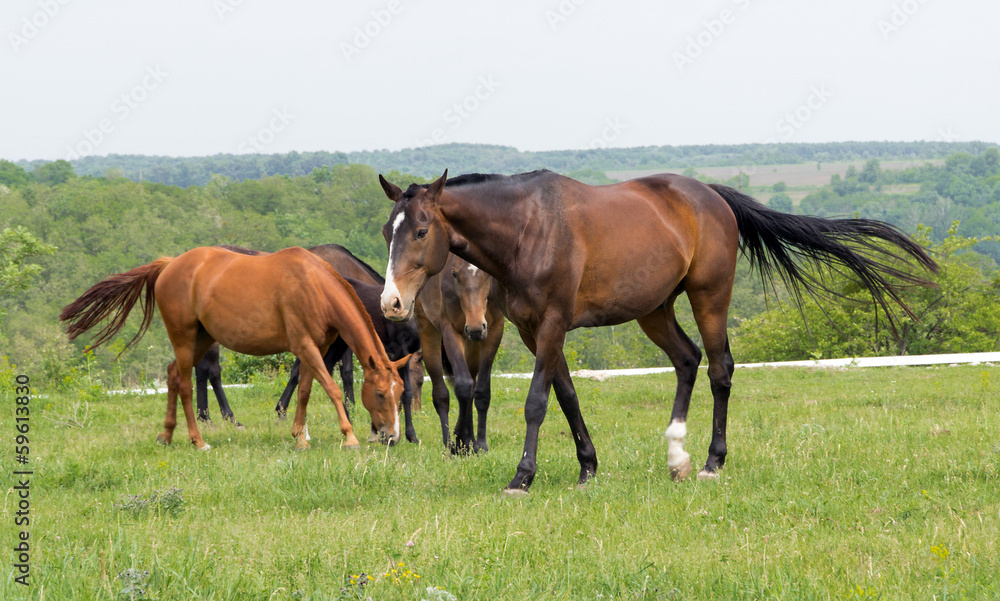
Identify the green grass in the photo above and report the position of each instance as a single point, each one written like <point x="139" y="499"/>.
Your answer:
<point x="874" y="483"/>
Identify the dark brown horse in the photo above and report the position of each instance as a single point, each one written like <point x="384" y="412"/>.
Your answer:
<point x="454" y="310"/>
<point x="569" y="255"/>
<point x="288" y="301"/>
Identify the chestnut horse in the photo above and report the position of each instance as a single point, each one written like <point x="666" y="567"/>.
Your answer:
<point x="568" y="255"/>
<point x="454" y="310"/>
<point x="288" y="301"/>
<point x="208" y="370"/>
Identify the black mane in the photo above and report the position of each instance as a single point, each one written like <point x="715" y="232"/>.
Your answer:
<point x="471" y="179"/>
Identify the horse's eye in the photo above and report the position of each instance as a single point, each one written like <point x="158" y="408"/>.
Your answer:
<point x="422" y="234"/>
<point x="454" y="273"/>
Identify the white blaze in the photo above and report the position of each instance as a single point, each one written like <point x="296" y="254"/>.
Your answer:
<point x="390" y="289"/>
<point x="473" y="269"/>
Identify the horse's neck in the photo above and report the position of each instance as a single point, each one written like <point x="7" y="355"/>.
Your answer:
<point x="357" y="330"/>
<point x="487" y="236"/>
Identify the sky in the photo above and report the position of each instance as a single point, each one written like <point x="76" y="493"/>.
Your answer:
<point x="201" y="77"/>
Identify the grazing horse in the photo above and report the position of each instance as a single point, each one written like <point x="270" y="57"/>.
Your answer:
<point x="568" y="255"/>
<point x="454" y="309"/>
<point x="209" y="371"/>
<point x="400" y="339"/>
<point x="288" y="301"/>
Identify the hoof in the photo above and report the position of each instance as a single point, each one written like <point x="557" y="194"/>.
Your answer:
<point x="240" y="426"/>
<point x="682" y="471"/>
<point x="205" y="447"/>
<point x="163" y="439"/>
<point x="707" y="475"/>
<point x="353" y="447"/>
<point x="481" y="447"/>
<point x="515" y="492"/>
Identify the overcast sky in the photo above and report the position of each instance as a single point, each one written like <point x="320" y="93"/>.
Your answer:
<point x="198" y="77"/>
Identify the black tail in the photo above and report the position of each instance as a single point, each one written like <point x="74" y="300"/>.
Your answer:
<point x="873" y="252"/>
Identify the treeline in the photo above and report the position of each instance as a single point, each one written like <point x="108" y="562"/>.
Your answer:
<point x="107" y="224"/>
<point x="468" y="158"/>
<point x="966" y="188"/>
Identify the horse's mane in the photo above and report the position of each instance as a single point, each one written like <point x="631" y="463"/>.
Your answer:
<point x="472" y="179"/>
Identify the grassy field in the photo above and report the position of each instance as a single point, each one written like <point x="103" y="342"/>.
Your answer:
<point x="856" y="484"/>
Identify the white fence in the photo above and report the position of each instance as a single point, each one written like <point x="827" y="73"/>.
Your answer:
<point x="946" y="359"/>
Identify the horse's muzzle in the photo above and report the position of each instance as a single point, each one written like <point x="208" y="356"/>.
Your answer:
<point x="477" y="333"/>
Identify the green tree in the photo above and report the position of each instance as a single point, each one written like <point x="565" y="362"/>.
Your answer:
<point x="16" y="245"/>
<point x="780" y="202"/>
<point x="959" y="314"/>
<point x="54" y="173"/>
<point x="13" y="176"/>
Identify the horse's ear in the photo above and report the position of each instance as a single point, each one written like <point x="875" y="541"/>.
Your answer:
<point x="434" y="190"/>
<point x="391" y="190"/>
<point x="400" y="362"/>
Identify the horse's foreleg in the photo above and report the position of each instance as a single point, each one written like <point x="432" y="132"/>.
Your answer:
<point x="547" y="345"/>
<point x="483" y="392"/>
<point x="215" y="379"/>
<point x="299" y="431"/>
<point x="286" y="395"/>
<point x="430" y="342"/>
<point x="311" y="357"/>
<point x="201" y="378"/>
<point x="454" y="346"/>
<point x="346" y="376"/>
<point x="407" y="401"/>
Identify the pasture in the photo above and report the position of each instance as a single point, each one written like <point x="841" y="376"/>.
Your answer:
<point x="840" y="484"/>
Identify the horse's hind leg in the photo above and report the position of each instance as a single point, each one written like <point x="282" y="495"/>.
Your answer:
<point x="173" y="389"/>
<point x="711" y="309"/>
<point x="662" y="328"/>
<point x="180" y="384"/>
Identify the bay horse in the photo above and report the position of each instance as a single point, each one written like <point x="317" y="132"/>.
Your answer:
<point x="288" y="301"/>
<point x="569" y="255"/>
<point x="455" y="313"/>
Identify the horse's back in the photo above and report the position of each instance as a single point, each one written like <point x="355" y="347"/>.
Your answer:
<point x="346" y="264"/>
